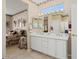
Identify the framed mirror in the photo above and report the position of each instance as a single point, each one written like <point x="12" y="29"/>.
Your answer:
<point x="40" y="25"/>
<point x="35" y="23"/>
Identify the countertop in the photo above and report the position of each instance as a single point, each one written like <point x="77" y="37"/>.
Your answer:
<point x="61" y="36"/>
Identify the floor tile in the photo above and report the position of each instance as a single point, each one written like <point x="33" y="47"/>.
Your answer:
<point x="14" y="52"/>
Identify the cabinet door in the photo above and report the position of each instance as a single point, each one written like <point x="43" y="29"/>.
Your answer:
<point x="33" y="43"/>
<point x="51" y="47"/>
<point x="44" y="45"/>
<point x="61" y="49"/>
<point x="36" y="43"/>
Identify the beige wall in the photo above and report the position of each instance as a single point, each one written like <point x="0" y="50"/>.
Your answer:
<point x="32" y="12"/>
<point x="3" y="29"/>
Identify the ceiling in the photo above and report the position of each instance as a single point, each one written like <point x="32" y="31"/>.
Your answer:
<point x="40" y="1"/>
<point x="15" y="6"/>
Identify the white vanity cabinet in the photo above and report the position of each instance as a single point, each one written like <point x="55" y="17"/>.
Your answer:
<point x="53" y="46"/>
<point x="61" y="49"/>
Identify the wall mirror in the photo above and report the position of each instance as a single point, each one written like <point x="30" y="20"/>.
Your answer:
<point x="35" y="23"/>
<point x="40" y="23"/>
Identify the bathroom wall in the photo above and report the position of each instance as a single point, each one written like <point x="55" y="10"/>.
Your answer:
<point x="3" y="29"/>
<point x="33" y="11"/>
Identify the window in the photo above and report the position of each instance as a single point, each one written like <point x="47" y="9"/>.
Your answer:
<point x="53" y="8"/>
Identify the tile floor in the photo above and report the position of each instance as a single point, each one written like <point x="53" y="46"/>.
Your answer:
<point x="15" y="53"/>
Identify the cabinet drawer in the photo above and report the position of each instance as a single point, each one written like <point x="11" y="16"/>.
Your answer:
<point x="36" y="43"/>
<point x="44" y="43"/>
<point x="61" y="50"/>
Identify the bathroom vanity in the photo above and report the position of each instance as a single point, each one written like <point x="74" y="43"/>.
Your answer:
<point x="52" y="36"/>
<point x="50" y="43"/>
